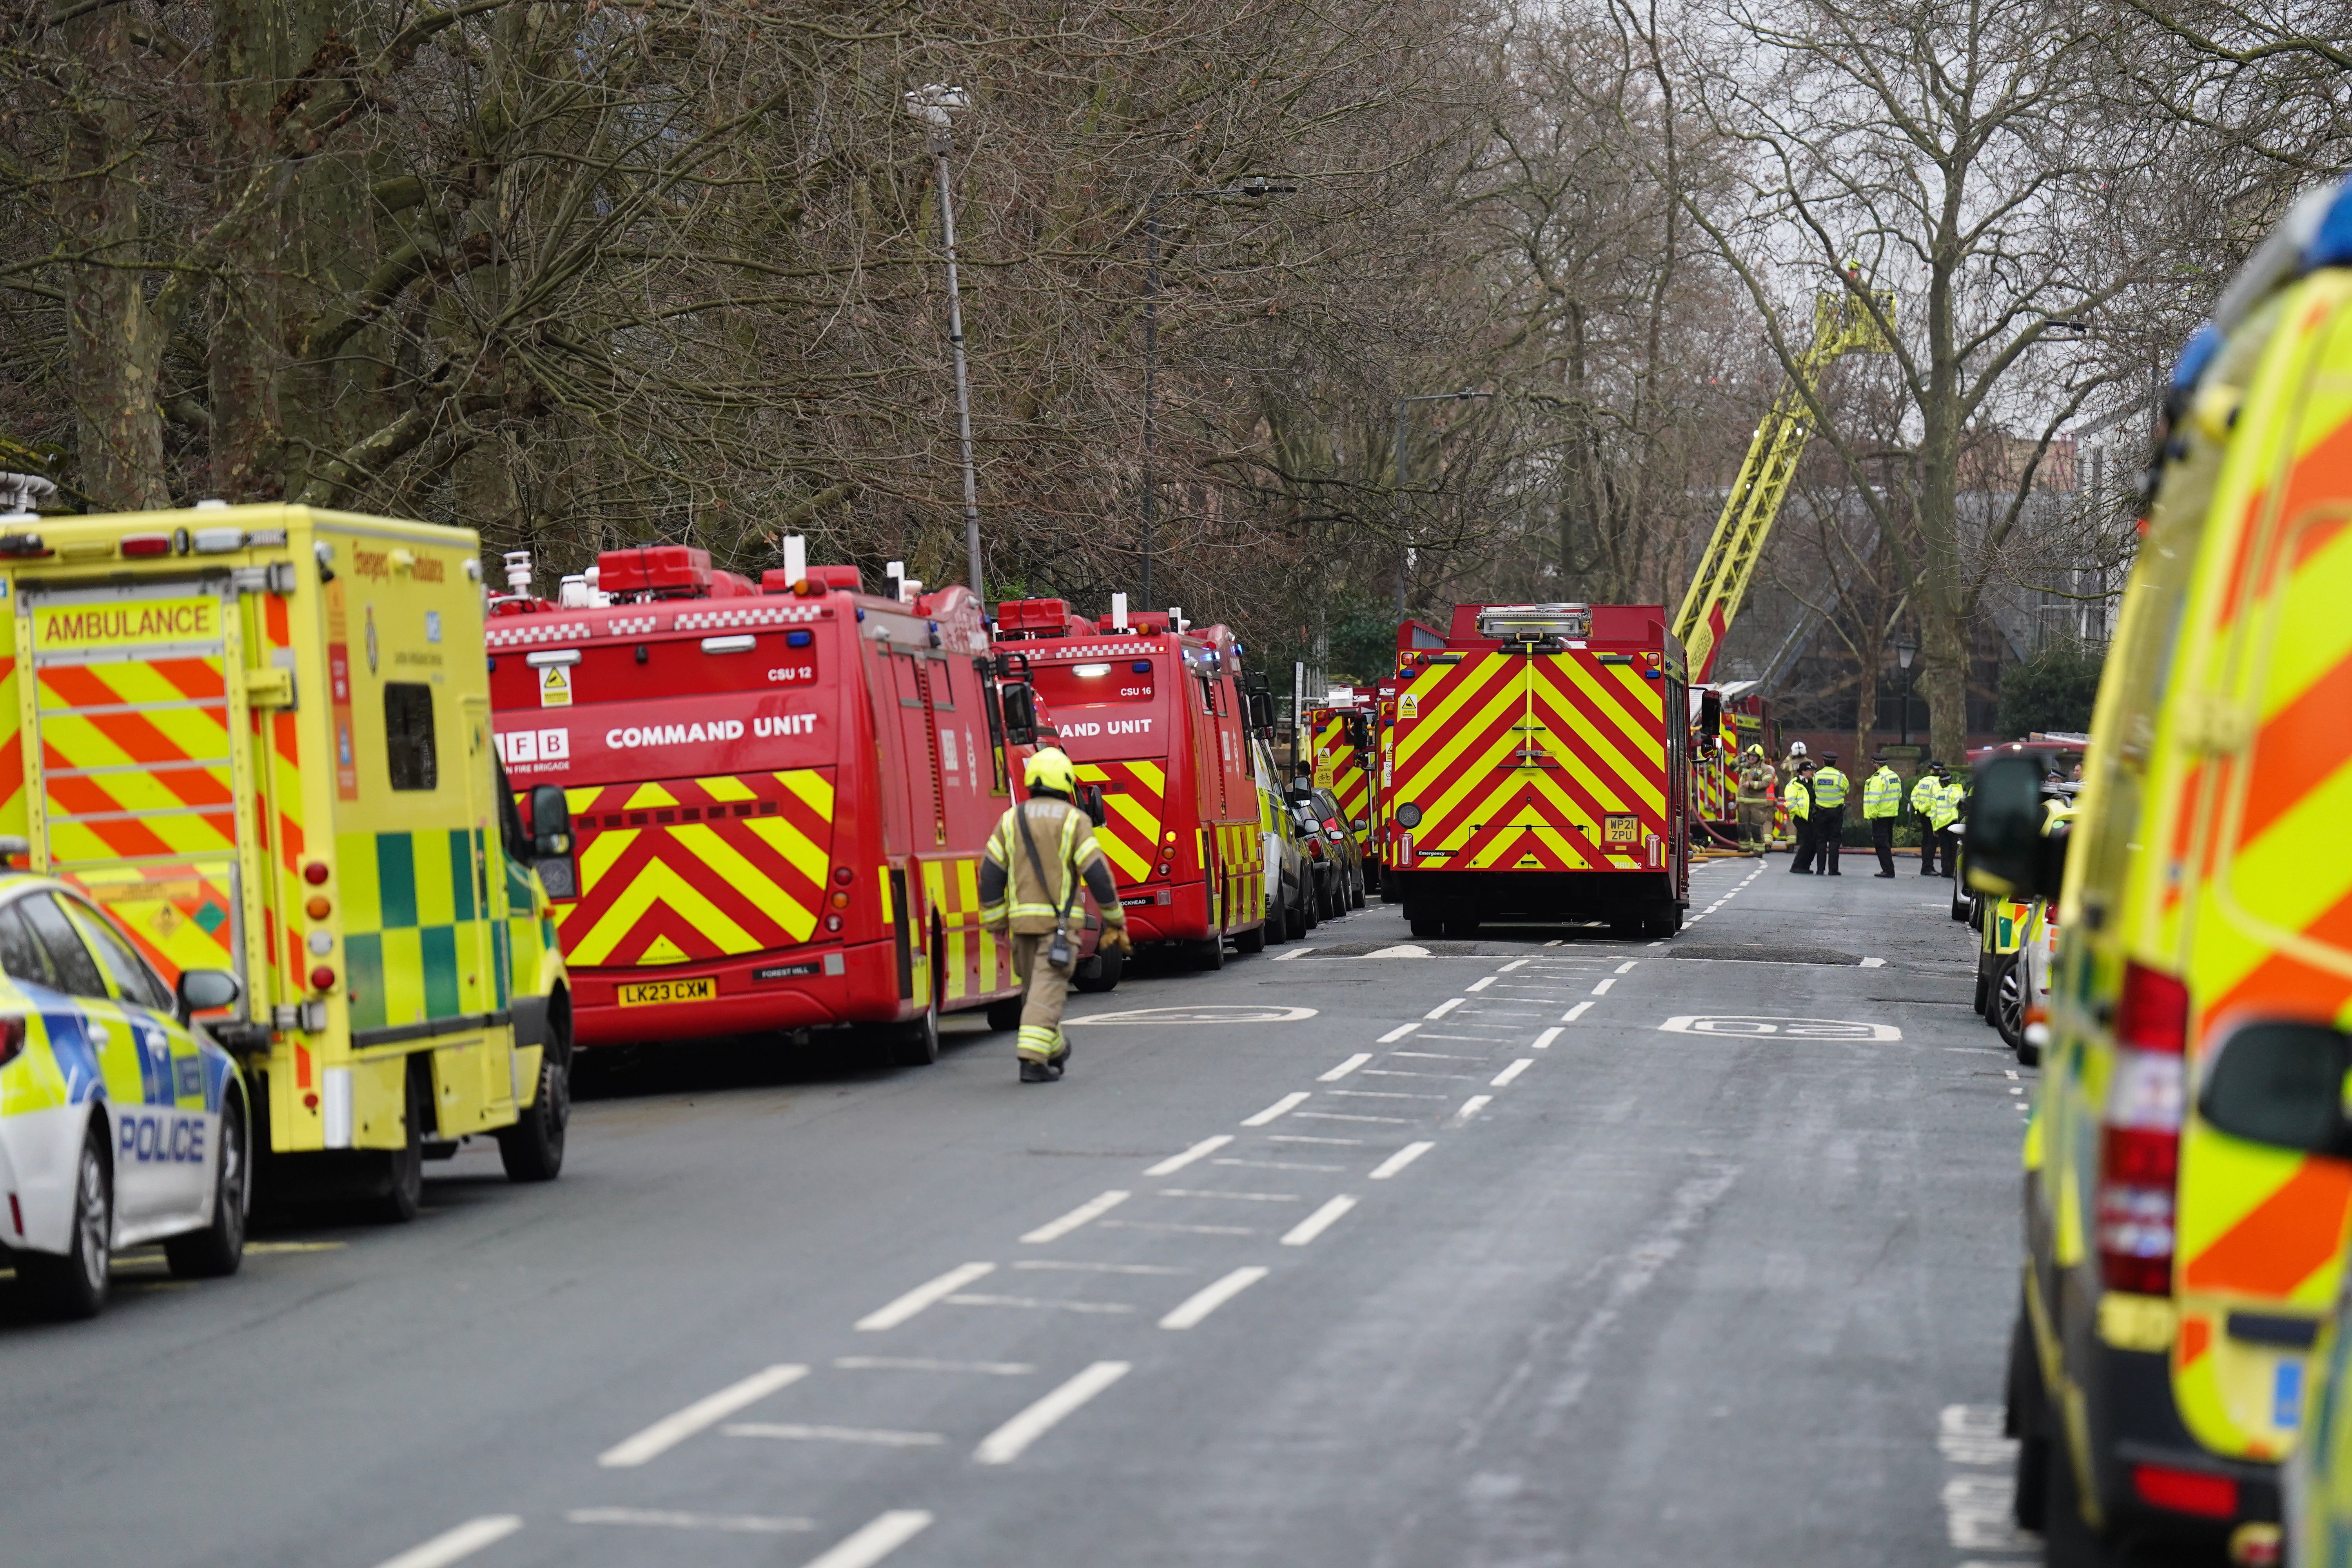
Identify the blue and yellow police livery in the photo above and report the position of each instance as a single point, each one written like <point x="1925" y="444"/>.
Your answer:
<point x="120" y="1121"/>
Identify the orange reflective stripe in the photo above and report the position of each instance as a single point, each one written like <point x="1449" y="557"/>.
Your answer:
<point x="2287" y="1237"/>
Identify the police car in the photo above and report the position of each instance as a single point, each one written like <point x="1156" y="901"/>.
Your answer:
<point x="121" y="1122"/>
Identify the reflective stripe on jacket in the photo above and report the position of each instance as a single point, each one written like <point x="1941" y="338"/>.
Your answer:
<point x="1946" y="808"/>
<point x="1881" y="794"/>
<point x="1065" y="844"/>
<point x="1829" y="788"/>
<point x="1923" y="795"/>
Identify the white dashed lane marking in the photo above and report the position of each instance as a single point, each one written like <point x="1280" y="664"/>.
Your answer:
<point x="671" y="1430"/>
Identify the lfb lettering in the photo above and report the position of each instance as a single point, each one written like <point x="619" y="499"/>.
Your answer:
<point x="152" y="1140"/>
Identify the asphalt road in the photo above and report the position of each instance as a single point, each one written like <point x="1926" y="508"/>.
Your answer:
<point x="1543" y="1250"/>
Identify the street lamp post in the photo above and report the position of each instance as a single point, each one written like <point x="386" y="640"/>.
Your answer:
<point x="1905" y="651"/>
<point x="937" y="106"/>
<point x="1396" y="492"/>
<point x="1249" y="190"/>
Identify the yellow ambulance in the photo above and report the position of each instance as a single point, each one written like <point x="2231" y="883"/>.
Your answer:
<point x="259" y="737"/>
<point x="2186" y="1177"/>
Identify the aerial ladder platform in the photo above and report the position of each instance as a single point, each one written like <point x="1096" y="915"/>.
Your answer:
<point x="1841" y="326"/>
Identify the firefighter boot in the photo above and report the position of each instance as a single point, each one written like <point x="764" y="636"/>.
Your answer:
<point x="1041" y="1060"/>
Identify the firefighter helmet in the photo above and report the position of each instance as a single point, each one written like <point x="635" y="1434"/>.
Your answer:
<point x="1047" y="769"/>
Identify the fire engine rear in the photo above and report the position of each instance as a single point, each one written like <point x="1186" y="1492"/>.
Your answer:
<point x="1155" y="718"/>
<point x="779" y="793"/>
<point x="1540" y="770"/>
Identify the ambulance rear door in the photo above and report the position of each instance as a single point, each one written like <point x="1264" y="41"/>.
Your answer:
<point x="145" y="744"/>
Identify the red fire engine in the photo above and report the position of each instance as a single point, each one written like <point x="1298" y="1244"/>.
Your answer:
<point x="1155" y="718"/>
<point x="778" y="796"/>
<point x="1540" y="770"/>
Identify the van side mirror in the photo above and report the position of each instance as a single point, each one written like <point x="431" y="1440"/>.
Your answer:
<point x="1710" y="713"/>
<point x="1261" y="710"/>
<point x="1020" y="706"/>
<point x="1090" y="800"/>
<point x="206" y="990"/>
<point x="2281" y="1083"/>
<point x="551" y="842"/>
<point x="2007" y="852"/>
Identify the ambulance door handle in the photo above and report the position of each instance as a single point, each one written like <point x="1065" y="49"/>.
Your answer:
<point x="98" y="1033"/>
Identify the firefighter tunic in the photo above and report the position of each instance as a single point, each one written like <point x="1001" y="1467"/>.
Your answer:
<point x="1013" y="896"/>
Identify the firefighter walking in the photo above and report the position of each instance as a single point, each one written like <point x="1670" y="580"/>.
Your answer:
<point x="1882" y="799"/>
<point x="1829" y="788"/>
<point x="1755" y="801"/>
<point x="1029" y="875"/>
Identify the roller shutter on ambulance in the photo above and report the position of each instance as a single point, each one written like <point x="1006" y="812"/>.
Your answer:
<point x="143" y="747"/>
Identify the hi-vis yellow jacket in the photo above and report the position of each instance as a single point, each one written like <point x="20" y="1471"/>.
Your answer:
<point x="1010" y="890"/>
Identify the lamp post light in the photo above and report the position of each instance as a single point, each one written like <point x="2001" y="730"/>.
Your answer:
<point x="1396" y="490"/>
<point x="937" y="107"/>
<point x="1906" y="649"/>
<point x="1255" y="189"/>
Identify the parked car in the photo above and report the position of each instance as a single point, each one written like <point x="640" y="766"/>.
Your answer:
<point x="121" y="1122"/>
<point x="1287" y="900"/>
<point x="1339" y="833"/>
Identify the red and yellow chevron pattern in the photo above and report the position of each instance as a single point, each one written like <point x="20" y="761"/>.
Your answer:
<point x="1134" y="803"/>
<point x="1340" y="769"/>
<point x="1554" y="763"/>
<point x="686" y="869"/>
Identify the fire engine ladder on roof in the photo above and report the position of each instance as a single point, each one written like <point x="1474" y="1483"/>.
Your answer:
<point x="1840" y="325"/>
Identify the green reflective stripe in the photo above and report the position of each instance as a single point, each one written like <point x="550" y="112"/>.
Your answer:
<point x="395" y="880"/>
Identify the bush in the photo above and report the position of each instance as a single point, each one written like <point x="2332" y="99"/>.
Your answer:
<point x="2054" y="689"/>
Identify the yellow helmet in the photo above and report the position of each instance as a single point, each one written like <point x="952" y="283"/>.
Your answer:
<point x="1049" y="769"/>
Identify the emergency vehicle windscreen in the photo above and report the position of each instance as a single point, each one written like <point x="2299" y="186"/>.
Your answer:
<point x="1104" y="708"/>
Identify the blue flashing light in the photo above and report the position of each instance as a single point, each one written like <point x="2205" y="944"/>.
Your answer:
<point x="799" y="640"/>
<point x="1140" y="666"/>
<point x="2331" y="242"/>
<point x="2204" y="344"/>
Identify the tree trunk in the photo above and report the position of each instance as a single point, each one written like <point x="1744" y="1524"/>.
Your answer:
<point x="114" y="345"/>
<point x="1865" y="703"/>
<point x="247" y="68"/>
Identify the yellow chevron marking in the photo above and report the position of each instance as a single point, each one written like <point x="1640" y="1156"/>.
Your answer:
<point x="968" y="887"/>
<point x="737" y="872"/>
<point x="661" y="950"/>
<point x="651" y="795"/>
<point x="657" y="883"/>
<point x="1152" y="774"/>
<point x="602" y="851"/>
<point x="794" y="847"/>
<point x="725" y="787"/>
<point x="814" y="788"/>
<point x="578" y="800"/>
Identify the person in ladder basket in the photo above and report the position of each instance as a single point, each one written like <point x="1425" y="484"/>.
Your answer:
<point x="1882" y="798"/>
<point x="1029" y="876"/>
<point x="1829" y="788"/>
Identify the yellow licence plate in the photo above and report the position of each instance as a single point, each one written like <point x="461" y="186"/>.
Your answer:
<point x="645" y="993"/>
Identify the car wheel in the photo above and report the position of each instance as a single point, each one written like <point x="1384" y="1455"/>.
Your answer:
<point x="215" y="1251"/>
<point x="1005" y="1014"/>
<point x="1311" y="913"/>
<point x="1252" y="940"/>
<point x="1294" y="914"/>
<point x="75" y="1285"/>
<point x="1361" y="898"/>
<point x="2009" y="1001"/>
<point x="1108" y="967"/>
<point x="397" y="1187"/>
<point x="533" y="1149"/>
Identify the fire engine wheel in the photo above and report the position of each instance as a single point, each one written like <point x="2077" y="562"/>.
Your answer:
<point x="1250" y="940"/>
<point x="74" y="1284"/>
<point x="1209" y="953"/>
<point x="1108" y="967"/>
<point x="1462" y="928"/>
<point x="1424" y="926"/>
<point x="915" y="1042"/>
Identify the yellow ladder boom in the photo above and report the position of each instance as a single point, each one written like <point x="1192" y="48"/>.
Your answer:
<point x="1840" y="325"/>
